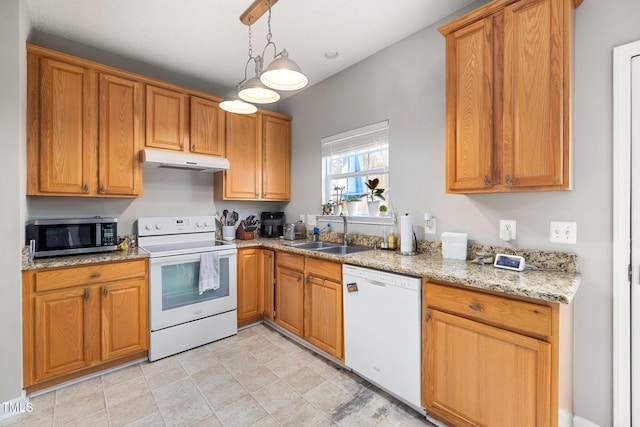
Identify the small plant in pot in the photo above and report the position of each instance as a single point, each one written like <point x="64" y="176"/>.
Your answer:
<point x="352" y="205"/>
<point x="383" y="210"/>
<point x="374" y="194"/>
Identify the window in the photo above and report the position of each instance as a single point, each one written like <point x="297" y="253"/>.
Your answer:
<point x="351" y="158"/>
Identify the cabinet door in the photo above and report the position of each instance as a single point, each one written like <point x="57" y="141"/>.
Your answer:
<point x="166" y="119"/>
<point x="68" y="122"/>
<point x="290" y="300"/>
<point x="121" y="136"/>
<point x="536" y="94"/>
<point x="323" y="315"/>
<point x="276" y="158"/>
<point x="470" y="107"/>
<point x="207" y="127"/>
<point x="476" y="374"/>
<point x="248" y="286"/>
<point x="124" y="318"/>
<point x="267" y="273"/>
<point x="60" y="330"/>
<point x="242" y="179"/>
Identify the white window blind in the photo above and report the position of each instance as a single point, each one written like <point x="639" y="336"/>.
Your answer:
<point x="367" y="137"/>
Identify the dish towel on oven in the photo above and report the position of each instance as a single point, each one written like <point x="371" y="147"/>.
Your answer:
<point x="209" y="272"/>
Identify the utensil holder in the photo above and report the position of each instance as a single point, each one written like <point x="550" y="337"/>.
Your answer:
<point x="228" y="232"/>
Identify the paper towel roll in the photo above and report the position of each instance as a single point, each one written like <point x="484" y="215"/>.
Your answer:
<point x="406" y="234"/>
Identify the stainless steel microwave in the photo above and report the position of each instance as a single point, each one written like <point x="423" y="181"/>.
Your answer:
<point x="54" y="237"/>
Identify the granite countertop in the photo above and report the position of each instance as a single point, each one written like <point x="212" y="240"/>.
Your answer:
<point x="552" y="286"/>
<point x="66" y="261"/>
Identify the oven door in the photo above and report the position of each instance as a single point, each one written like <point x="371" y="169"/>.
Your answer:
<point x="173" y="289"/>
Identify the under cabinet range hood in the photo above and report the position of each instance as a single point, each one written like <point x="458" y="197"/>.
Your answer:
<point x="152" y="158"/>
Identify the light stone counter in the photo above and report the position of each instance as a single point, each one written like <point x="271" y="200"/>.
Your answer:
<point x="552" y="286"/>
<point x="71" y="260"/>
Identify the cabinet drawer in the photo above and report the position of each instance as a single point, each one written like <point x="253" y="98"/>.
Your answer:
<point x="521" y="316"/>
<point x="86" y="275"/>
<point x="293" y="261"/>
<point x="327" y="269"/>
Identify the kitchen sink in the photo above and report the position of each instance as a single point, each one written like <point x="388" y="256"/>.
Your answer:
<point x="314" y="245"/>
<point x="343" y="250"/>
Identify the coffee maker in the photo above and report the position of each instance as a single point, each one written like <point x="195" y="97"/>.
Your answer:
<point x="272" y="224"/>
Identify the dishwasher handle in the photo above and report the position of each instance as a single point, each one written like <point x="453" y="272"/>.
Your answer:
<point x="376" y="283"/>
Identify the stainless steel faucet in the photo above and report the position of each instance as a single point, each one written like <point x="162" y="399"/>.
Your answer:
<point x="345" y="236"/>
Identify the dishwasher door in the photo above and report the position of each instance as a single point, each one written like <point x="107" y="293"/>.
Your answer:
<point x="382" y="335"/>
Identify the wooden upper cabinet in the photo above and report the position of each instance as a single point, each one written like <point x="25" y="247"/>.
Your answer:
<point x="64" y="158"/>
<point x="241" y="181"/>
<point x="121" y="136"/>
<point x="166" y="119"/>
<point x="276" y="158"/>
<point x="207" y="127"/>
<point x="508" y="97"/>
<point x="258" y="147"/>
<point x="84" y="131"/>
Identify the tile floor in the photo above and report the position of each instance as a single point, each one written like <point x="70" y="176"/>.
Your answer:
<point x="255" y="378"/>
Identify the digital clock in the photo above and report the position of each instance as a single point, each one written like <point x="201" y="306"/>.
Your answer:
<point x="509" y="262"/>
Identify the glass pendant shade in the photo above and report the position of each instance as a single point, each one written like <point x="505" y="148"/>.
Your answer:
<point x="254" y="91"/>
<point x="233" y="104"/>
<point x="284" y="74"/>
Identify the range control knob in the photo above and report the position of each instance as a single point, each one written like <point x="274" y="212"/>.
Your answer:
<point x="207" y="224"/>
<point x="198" y="224"/>
<point x="158" y="226"/>
<point x="149" y="226"/>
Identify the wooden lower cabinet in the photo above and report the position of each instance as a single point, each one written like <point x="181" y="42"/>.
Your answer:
<point x="489" y="360"/>
<point x="309" y="300"/>
<point x="77" y="320"/>
<point x="248" y="286"/>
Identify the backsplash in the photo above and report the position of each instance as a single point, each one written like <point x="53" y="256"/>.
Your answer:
<point x="561" y="261"/>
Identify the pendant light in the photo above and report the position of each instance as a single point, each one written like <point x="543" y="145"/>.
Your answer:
<point x="234" y="104"/>
<point x="282" y="73"/>
<point x="254" y="91"/>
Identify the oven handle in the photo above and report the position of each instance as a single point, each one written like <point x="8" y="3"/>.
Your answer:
<point x="190" y="257"/>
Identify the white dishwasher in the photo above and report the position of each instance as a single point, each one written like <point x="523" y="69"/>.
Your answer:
<point x="382" y="338"/>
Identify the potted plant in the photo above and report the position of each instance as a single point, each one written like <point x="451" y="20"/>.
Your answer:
<point x="352" y="205"/>
<point x="383" y="210"/>
<point x="337" y="208"/>
<point x="374" y="194"/>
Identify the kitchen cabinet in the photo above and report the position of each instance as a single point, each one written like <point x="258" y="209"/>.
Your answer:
<point x="290" y="292"/>
<point x="258" y="147"/>
<point x="267" y="273"/>
<point x="78" y="320"/>
<point x="491" y="360"/>
<point x="309" y="300"/>
<point x="84" y="132"/>
<point x="249" y="281"/>
<point x="178" y="121"/>
<point x="323" y="321"/>
<point x="508" y="97"/>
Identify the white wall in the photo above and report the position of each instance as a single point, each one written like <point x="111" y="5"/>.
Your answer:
<point x="13" y="28"/>
<point x="412" y="97"/>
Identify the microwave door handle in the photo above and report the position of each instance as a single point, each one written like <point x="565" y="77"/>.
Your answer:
<point x="98" y="235"/>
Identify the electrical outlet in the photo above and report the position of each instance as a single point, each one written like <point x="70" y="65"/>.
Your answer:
<point x="429" y="224"/>
<point x="563" y="232"/>
<point x="311" y="220"/>
<point x="507" y="230"/>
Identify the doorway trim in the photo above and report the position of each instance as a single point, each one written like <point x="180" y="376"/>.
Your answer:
<point x="622" y="56"/>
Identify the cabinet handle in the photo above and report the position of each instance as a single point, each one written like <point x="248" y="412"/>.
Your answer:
<point x="264" y="195"/>
<point x="299" y="277"/>
<point x="309" y="278"/>
<point x="95" y="275"/>
<point x="269" y="255"/>
<point x="181" y="147"/>
<point x="486" y="180"/>
<point x="427" y="316"/>
<point x="104" y="292"/>
<point x="193" y="147"/>
<point x="102" y="190"/>
<point x="86" y="294"/>
<point x="475" y="307"/>
<point x="85" y="188"/>
<point x="507" y="179"/>
<point x="257" y="195"/>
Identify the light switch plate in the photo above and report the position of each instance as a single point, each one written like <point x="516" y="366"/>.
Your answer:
<point x="563" y="232"/>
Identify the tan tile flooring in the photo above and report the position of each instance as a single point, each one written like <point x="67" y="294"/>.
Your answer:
<point x="255" y="378"/>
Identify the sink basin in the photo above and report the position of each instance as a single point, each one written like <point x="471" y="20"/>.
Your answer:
<point x="343" y="250"/>
<point x="314" y="245"/>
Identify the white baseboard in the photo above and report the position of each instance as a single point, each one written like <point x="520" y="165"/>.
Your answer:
<point x="581" y="422"/>
<point x="16" y="406"/>
<point x="565" y="418"/>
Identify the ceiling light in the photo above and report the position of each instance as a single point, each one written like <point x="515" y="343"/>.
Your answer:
<point x="283" y="73"/>
<point x="234" y="104"/>
<point x="254" y="91"/>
